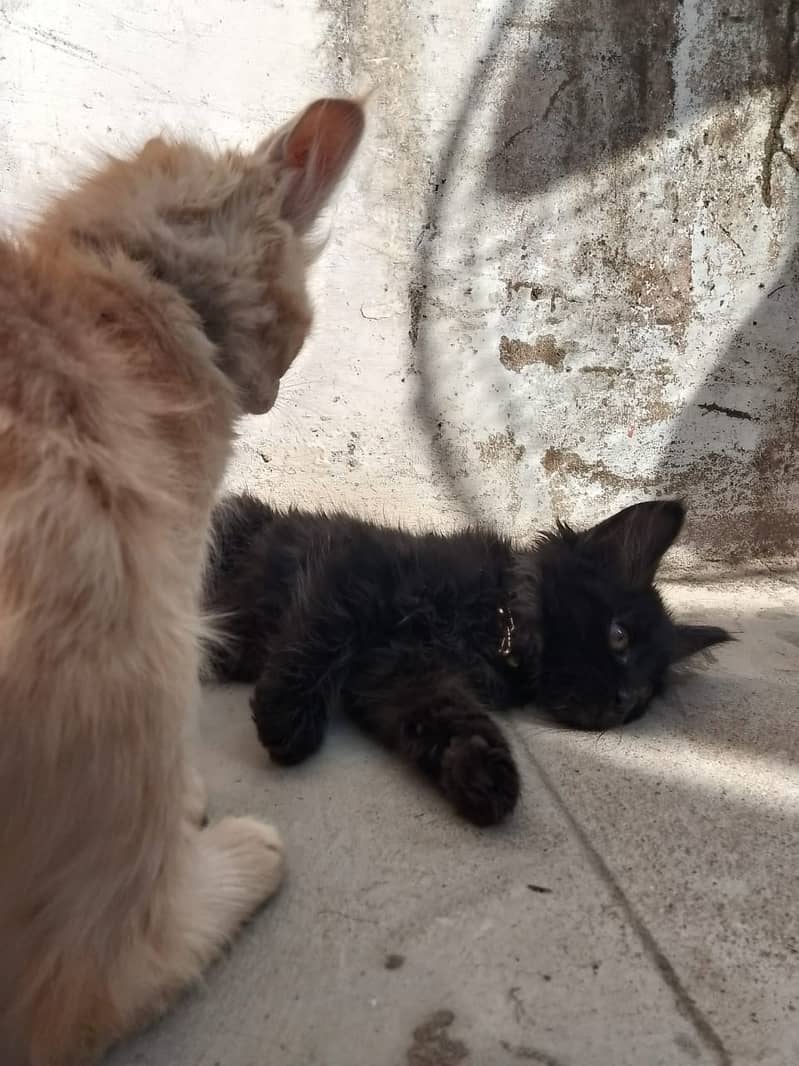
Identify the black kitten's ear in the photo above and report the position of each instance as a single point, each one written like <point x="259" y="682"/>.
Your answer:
<point x="641" y="534"/>
<point x="688" y="640"/>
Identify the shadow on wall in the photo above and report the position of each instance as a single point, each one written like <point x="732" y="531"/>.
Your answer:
<point x="733" y="449"/>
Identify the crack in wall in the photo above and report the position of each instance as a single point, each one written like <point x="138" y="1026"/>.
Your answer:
<point x="730" y="412"/>
<point x="775" y="140"/>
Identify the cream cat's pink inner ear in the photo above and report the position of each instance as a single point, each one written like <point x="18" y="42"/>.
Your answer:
<point x="316" y="151"/>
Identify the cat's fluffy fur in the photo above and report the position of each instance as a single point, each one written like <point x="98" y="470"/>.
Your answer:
<point x="146" y="309"/>
<point x="418" y="636"/>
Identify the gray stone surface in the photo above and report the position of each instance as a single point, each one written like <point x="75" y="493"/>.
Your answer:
<point x="661" y="926"/>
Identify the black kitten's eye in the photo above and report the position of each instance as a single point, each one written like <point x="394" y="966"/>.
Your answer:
<point x="618" y="638"/>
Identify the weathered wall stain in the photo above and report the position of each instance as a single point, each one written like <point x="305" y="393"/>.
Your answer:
<point x="619" y="177"/>
<point x="375" y="42"/>
<point x="781" y="23"/>
<point x="535" y="290"/>
<point x="751" y="533"/>
<point x="730" y="412"/>
<point x="623" y="192"/>
<point x="433" y="1046"/>
<point x="598" y="119"/>
<point x="659" y="287"/>
<point x="562" y="461"/>
<point x="589" y="118"/>
<point x="607" y="371"/>
<point x="526" y="1053"/>
<point x="515" y="354"/>
<point x="500" y="448"/>
<point x="652" y="410"/>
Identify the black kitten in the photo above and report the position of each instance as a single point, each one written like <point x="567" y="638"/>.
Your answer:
<point x="418" y="636"/>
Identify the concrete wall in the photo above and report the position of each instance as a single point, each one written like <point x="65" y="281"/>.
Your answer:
<point x="563" y="275"/>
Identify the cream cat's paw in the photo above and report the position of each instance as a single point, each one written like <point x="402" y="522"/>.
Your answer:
<point x="195" y="798"/>
<point x="253" y="853"/>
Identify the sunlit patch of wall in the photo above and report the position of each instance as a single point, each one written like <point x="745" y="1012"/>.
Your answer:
<point x="563" y="274"/>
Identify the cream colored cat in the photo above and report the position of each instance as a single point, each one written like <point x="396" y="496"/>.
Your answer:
<point x="146" y="309"/>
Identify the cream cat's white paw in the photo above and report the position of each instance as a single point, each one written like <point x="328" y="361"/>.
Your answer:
<point x="253" y="853"/>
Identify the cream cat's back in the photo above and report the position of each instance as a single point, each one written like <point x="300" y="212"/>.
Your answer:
<point x="129" y="341"/>
<point x="102" y="437"/>
<point x="98" y="647"/>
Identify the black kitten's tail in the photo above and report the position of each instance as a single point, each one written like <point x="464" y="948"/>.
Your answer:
<point x="235" y="522"/>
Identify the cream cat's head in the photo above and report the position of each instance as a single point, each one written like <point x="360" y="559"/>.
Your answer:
<point x="229" y="231"/>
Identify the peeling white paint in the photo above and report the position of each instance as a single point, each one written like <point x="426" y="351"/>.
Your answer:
<point x="476" y="213"/>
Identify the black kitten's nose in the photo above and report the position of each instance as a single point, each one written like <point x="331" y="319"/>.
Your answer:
<point x="630" y="702"/>
<point x="626" y="699"/>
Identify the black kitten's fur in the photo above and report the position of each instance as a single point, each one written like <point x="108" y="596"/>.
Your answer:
<point x="418" y="636"/>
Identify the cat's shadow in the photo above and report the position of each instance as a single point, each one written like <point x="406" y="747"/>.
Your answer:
<point x="228" y="729"/>
<point x="727" y="710"/>
<point x="733" y="704"/>
<point x="227" y="726"/>
<point x="237" y="767"/>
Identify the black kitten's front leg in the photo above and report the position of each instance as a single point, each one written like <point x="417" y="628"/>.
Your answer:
<point x="290" y="717"/>
<point x="435" y="721"/>
<point x="299" y="687"/>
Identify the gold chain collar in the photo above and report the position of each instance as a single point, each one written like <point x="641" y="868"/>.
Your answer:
<point x="508" y="628"/>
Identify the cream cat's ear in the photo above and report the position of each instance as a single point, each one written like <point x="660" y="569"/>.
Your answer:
<point x="315" y="150"/>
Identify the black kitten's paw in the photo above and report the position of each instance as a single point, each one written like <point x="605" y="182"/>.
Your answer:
<point x="481" y="780"/>
<point x="289" y="733"/>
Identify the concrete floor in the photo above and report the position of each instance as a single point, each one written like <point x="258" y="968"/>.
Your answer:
<point x="638" y="910"/>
